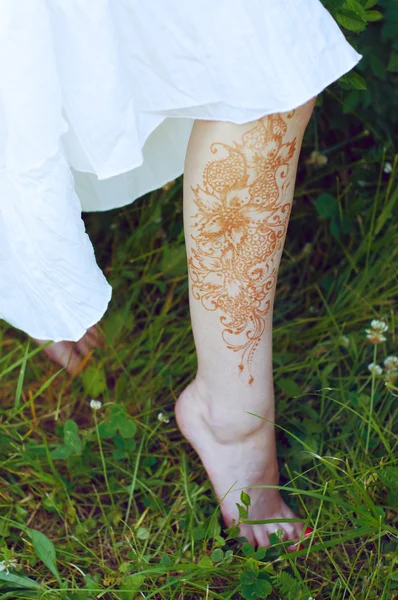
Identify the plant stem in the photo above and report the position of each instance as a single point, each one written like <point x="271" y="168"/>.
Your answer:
<point x="372" y="393"/>
<point x="103" y="461"/>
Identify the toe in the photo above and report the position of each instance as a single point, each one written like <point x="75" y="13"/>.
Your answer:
<point x="83" y="347"/>
<point x="94" y="337"/>
<point x="299" y="538"/>
<point x="247" y="532"/>
<point x="64" y="354"/>
<point x="71" y="361"/>
<point x="262" y="539"/>
<point x="90" y="340"/>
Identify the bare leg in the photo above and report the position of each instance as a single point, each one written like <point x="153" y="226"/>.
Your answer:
<point x="70" y="354"/>
<point x="238" y="190"/>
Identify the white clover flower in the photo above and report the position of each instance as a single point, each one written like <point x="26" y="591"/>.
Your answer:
<point x="375" y="334"/>
<point x="317" y="159"/>
<point x="361" y="183"/>
<point x="344" y="341"/>
<point x="374" y="337"/>
<point x="162" y="418"/>
<point x="387" y="167"/>
<point x="95" y="404"/>
<point x="5" y="565"/>
<point x="379" y="326"/>
<point x="391" y="364"/>
<point x="375" y="369"/>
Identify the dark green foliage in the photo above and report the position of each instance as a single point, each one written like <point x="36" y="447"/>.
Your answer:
<point x="72" y="442"/>
<point x="118" y="421"/>
<point x="254" y="584"/>
<point x="289" y="587"/>
<point x="371" y="26"/>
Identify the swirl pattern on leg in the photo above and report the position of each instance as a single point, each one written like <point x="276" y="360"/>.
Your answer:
<point x="242" y="214"/>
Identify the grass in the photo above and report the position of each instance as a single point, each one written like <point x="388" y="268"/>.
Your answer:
<point x="114" y="504"/>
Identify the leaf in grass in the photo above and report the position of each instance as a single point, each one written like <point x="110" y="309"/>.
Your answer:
<point x="386" y="212"/>
<point x="353" y="81"/>
<point x="356" y="7"/>
<point x="120" y="421"/>
<point x="72" y="443"/>
<point x="350" y="20"/>
<point x="334" y="5"/>
<point x="351" y="101"/>
<point x="378" y="67"/>
<point x="174" y="260"/>
<point x="373" y="15"/>
<point x="21" y="376"/>
<point x="245" y="498"/>
<point x="393" y="62"/>
<point x="61" y="452"/>
<point x="243" y="512"/>
<point x="131" y="586"/>
<point x="94" y="381"/>
<point x="217" y="555"/>
<point x="263" y="588"/>
<point x="389" y="476"/>
<point x="326" y="205"/>
<point x="127" y="428"/>
<point x="254" y="585"/>
<point x="289" y="386"/>
<point x="247" y="549"/>
<point x="71" y="437"/>
<point x="45" y="550"/>
<point x="107" y="430"/>
<point x="18" y="581"/>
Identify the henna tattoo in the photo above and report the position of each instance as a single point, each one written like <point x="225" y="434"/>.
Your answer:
<point x="243" y="212"/>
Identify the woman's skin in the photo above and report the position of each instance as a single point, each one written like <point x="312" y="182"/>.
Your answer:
<point x="238" y="190"/>
<point x="71" y="354"/>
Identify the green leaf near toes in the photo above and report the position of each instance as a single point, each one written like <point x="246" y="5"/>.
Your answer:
<point x="258" y="587"/>
<point x="245" y="498"/>
<point x="217" y="555"/>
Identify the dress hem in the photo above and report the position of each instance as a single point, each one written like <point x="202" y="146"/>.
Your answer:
<point x="260" y="115"/>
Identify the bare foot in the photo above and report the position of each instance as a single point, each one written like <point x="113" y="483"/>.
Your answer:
<point x="71" y="354"/>
<point x="231" y="453"/>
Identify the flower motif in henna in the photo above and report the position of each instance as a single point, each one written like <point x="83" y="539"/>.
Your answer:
<point x="243" y="212"/>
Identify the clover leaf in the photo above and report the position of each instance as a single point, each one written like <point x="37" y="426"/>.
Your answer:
<point x="119" y="421"/>
<point x="253" y="583"/>
<point x="72" y="443"/>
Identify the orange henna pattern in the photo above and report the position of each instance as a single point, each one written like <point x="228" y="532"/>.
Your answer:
<point x="243" y="212"/>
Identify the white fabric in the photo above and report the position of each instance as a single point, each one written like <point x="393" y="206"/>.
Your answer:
<point x="97" y="102"/>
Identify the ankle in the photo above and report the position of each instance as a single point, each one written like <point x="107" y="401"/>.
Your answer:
<point x="227" y="417"/>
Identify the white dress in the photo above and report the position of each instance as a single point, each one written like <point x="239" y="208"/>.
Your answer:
<point x="97" y="102"/>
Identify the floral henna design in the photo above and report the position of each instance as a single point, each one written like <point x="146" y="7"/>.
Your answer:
<point x="243" y="212"/>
